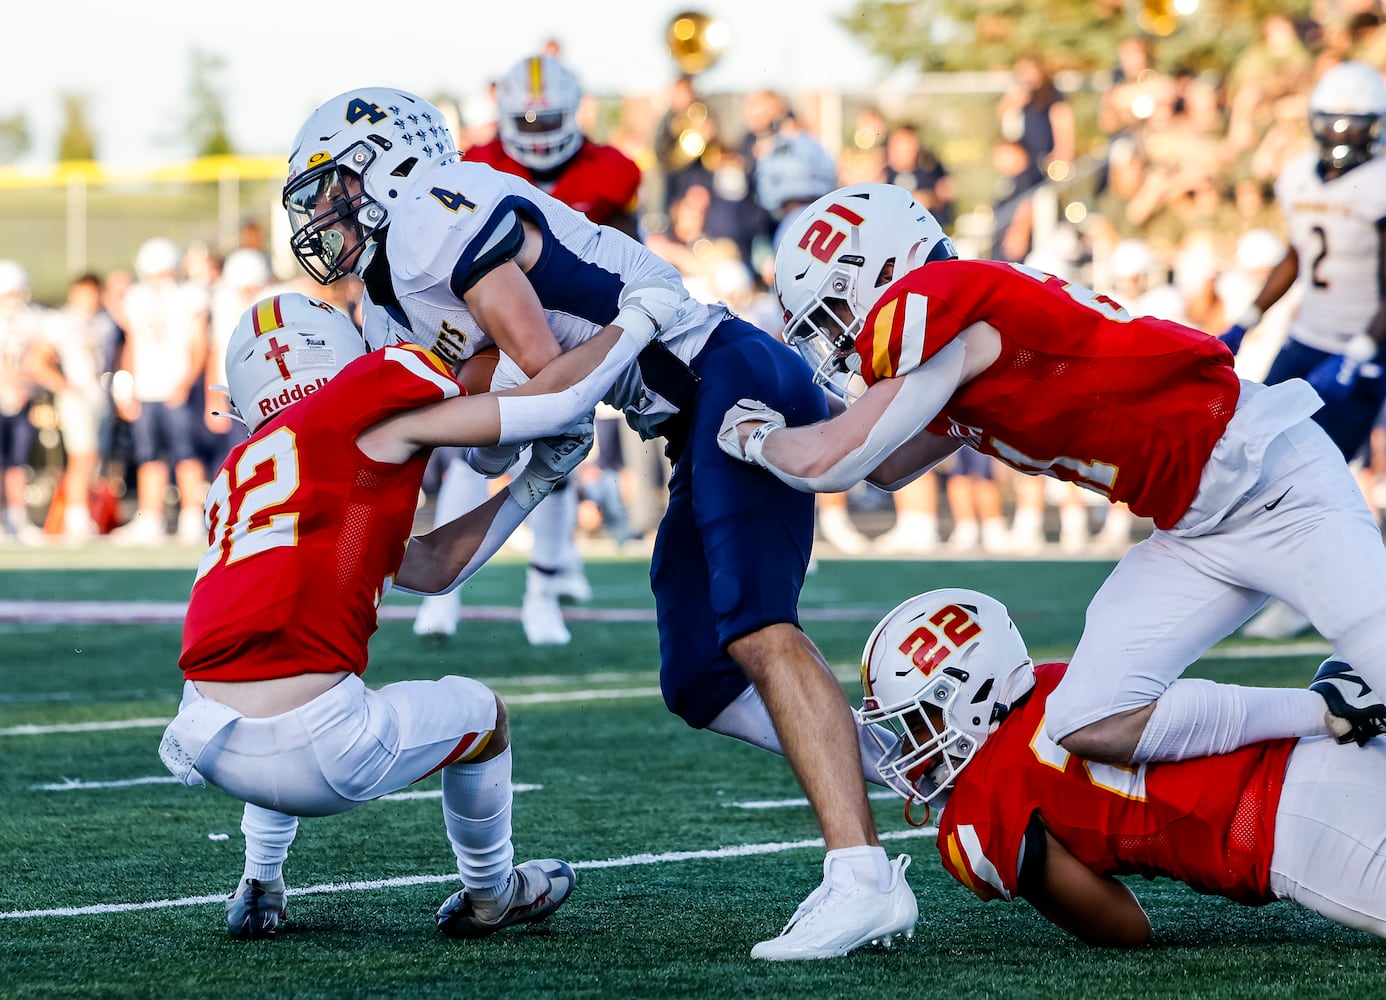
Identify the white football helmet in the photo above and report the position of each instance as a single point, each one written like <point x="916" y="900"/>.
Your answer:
<point x="836" y="260"/>
<point x="355" y="158"/>
<point x="1346" y="109"/>
<point x="284" y="348"/>
<point x="940" y="671"/>
<point x="157" y="257"/>
<point x="536" y="106"/>
<point x="796" y="168"/>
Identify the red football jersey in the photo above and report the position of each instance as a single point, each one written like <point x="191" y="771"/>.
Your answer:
<point x="599" y="181"/>
<point x="1129" y="407"/>
<point x="306" y="530"/>
<point x="1208" y="822"/>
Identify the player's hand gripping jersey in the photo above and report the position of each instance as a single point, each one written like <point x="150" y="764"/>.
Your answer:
<point x="599" y="181"/>
<point x="306" y="531"/>
<point x="1082" y="391"/>
<point x="1208" y="822"/>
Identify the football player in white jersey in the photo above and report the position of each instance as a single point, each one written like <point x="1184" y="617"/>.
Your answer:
<point x="458" y="256"/>
<point x="1334" y="201"/>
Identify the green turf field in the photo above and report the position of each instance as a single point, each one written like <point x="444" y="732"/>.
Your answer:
<point x="678" y="873"/>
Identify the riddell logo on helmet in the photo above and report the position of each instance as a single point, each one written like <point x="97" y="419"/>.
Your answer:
<point x="293" y="394"/>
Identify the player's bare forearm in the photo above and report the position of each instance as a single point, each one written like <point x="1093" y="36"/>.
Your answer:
<point x="1095" y="908"/>
<point x="434" y="561"/>
<point x="1278" y="282"/>
<point x="911" y="460"/>
<point x="505" y="305"/>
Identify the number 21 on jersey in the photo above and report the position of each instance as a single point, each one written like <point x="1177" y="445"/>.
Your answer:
<point x="265" y="476"/>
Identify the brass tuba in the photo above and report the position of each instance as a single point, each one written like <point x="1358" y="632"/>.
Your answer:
<point x="696" y="40"/>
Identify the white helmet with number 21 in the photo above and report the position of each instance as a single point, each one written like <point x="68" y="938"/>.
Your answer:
<point x="940" y="671"/>
<point x="285" y="348"/>
<point x="837" y="259"/>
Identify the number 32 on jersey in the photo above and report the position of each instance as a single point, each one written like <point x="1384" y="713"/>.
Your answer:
<point x="264" y="477"/>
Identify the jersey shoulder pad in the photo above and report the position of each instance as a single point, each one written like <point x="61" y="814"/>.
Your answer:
<point x="892" y="341"/>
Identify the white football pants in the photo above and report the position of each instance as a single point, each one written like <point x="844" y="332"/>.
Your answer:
<point x="1330" y="833"/>
<point x="1278" y="515"/>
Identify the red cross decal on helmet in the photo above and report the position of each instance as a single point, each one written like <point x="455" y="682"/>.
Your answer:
<point x="276" y="354"/>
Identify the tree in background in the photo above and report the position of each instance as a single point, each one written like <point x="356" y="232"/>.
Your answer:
<point x="206" y="124"/>
<point x="75" y="140"/>
<point x="943" y="35"/>
<point x="14" y="137"/>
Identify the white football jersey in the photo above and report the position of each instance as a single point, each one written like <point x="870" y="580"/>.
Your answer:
<point x="1333" y="228"/>
<point x="465" y="219"/>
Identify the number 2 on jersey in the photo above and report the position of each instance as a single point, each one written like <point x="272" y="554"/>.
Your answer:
<point x="265" y="476"/>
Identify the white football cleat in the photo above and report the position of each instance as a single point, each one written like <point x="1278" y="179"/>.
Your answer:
<point x="255" y="909"/>
<point x="571" y="582"/>
<point x="540" y="613"/>
<point x="536" y="889"/>
<point x="833" y="921"/>
<point x="438" y="614"/>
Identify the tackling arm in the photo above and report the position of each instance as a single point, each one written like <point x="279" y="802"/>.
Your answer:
<point x="834" y="455"/>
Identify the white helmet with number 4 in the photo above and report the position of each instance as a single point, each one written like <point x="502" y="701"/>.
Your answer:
<point x="940" y="671"/>
<point x="1346" y="110"/>
<point x="537" y="104"/>
<point x="355" y="158"/>
<point x="837" y="259"/>
<point x="283" y="349"/>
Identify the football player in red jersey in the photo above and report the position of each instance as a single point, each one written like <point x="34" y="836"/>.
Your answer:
<point x="540" y="140"/>
<point x="308" y="527"/>
<point x="1248" y="495"/>
<point x="1298" y="820"/>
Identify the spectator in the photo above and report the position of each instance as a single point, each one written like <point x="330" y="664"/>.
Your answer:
<point x="245" y="279"/>
<point x="1034" y="113"/>
<point x="1013" y="213"/>
<point x="908" y="164"/>
<point x="78" y="351"/>
<point x="863" y="158"/>
<point x="166" y="354"/>
<point x="21" y="333"/>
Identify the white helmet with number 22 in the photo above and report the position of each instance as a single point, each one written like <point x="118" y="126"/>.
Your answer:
<point x="940" y="671"/>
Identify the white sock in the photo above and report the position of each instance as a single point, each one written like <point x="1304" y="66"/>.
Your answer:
<point x="553" y="523"/>
<point x="268" y="835"/>
<point x="476" y="811"/>
<point x="748" y="720"/>
<point x="865" y="865"/>
<point x="462" y="489"/>
<point x="1196" y="718"/>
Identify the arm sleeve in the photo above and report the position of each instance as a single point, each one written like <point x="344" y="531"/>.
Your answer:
<point x="525" y="418"/>
<point x="507" y="519"/>
<point x="924" y="393"/>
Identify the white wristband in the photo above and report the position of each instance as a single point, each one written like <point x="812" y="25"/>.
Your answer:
<point x="755" y="444"/>
<point x="637" y="323"/>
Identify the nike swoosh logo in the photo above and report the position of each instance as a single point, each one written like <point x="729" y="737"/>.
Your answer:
<point x="1276" y="502"/>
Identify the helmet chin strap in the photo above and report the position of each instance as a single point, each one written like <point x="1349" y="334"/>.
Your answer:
<point x="923" y="821"/>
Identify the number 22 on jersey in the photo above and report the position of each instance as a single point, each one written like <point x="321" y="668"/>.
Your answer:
<point x="264" y="476"/>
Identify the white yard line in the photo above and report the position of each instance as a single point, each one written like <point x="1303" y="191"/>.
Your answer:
<point x="630" y="861"/>
<point x="791" y="803"/>
<point x="168" y="779"/>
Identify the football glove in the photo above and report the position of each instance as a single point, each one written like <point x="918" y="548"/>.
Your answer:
<point x="551" y="459"/>
<point x="646" y="308"/>
<point x="745" y="411"/>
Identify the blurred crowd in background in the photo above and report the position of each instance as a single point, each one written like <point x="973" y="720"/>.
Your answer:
<point x="108" y="405"/>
